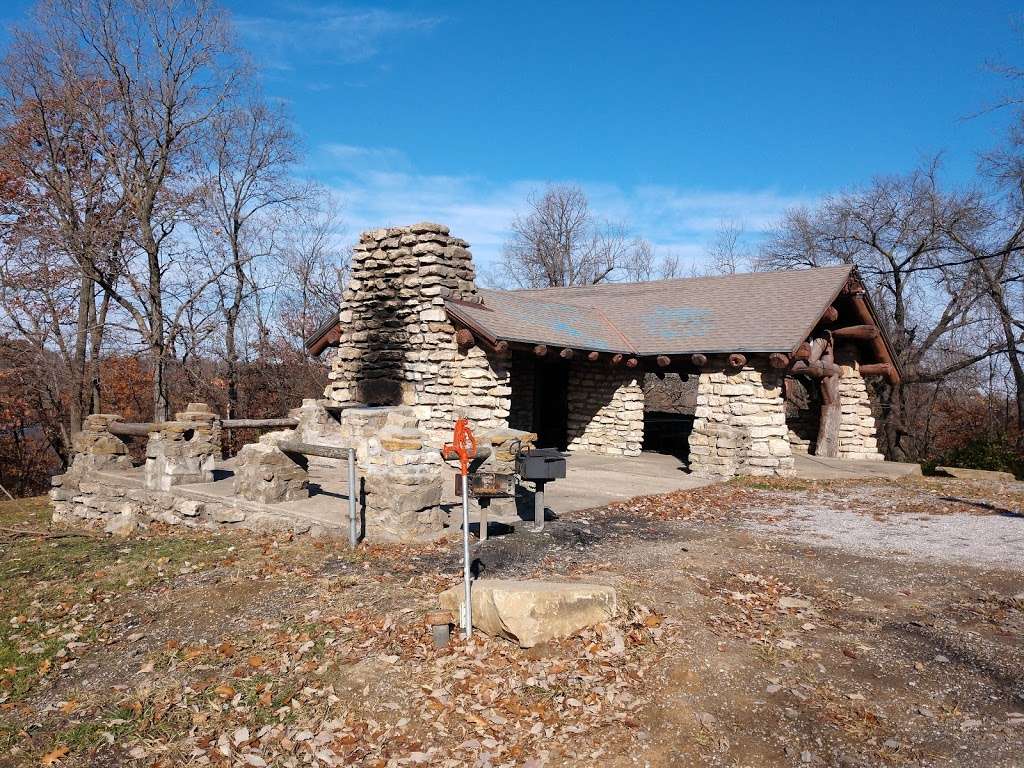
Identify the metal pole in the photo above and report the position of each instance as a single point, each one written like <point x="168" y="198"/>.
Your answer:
<point x="465" y="558"/>
<point x="353" y="527"/>
<point x="538" y="506"/>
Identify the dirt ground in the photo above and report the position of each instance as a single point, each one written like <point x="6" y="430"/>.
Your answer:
<point x="773" y="624"/>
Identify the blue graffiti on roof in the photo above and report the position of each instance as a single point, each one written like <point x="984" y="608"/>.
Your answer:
<point x="669" y="322"/>
<point x="584" y="336"/>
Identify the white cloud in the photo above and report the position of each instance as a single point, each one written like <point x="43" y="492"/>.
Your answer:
<point x="379" y="187"/>
<point x="325" y="33"/>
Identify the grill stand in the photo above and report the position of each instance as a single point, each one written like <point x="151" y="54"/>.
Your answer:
<point x="538" y="506"/>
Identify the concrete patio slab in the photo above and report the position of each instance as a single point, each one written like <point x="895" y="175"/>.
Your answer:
<point x="822" y="468"/>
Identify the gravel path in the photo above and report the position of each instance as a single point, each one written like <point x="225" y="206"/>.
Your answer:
<point x="983" y="540"/>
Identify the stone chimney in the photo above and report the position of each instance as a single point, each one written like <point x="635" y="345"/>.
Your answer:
<point x="397" y="346"/>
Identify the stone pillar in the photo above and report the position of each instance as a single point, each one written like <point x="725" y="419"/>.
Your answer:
<point x="740" y="425"/>
<point x="606" y="409"/>
<point x="95" y="449"/>
<point x="266" y="474"/>
<point x="183" y="451"/>
<point x="857" y="437"/>
<point x="397" y="346"/>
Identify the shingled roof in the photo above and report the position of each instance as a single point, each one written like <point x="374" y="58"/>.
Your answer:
<point x="755" y="312"/>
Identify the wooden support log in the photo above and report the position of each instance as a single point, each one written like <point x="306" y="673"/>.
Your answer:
<point x="664" y="361"/>
<point x="736" y="360"/>
<point x="830" y="316"/>
<point x="616" y="359"/>
<point x="778" y="360"/>
<point x="865" y="332"/>
<point x="567" y="354"/>
<point x="464" y="338"/>
<point x="311" y="449"/>
<point x="593" y="356"/>
<point x="803" y="352"/>
<point x="699" y="360"/>
<point x="258" y="423"/>
<point x="875" y="369"/>
<point x="863" y="313"/>
<point x="817" y="368"/>
<point x="540" y="350"/>
<point x="632" y="362"/>
<point x="133" y="428"/>
<point x="501" y="347"/>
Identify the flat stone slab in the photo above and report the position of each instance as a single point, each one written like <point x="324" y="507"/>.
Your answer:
<point x="985" y="475"/>
<point x="532" y="612"/>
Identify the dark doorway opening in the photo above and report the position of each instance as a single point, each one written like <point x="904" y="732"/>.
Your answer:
<point x="551" y="404"/>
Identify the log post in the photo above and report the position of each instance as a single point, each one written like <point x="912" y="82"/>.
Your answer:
<point x="778" y="360"/>
<point x="831" y="409"/>
<point x="540" y="350"/>
<point x="464" y="338"/>
<point x="864" y="332"/>
<point x="567" y="354"/>
<point x="831" y="315"/>
<point x="699" y="360"/>
<point x="736" y="360"/>
<point x="664" y="361"/>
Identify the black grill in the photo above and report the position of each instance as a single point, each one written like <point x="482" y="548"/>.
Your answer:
<point x="540" y="464"/>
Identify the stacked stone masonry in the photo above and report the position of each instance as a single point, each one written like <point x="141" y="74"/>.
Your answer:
<point x="857" y="438"/>
<point x="606" y="409"/>
<point x="740" y="425"/>
<point x="397" y="346"/>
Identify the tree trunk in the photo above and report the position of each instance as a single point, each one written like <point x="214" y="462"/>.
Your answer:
<point x="77" y="407"/>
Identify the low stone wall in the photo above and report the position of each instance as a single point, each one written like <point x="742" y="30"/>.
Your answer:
<point x="606" y="409"/>
<point x="857" y="437"/>
<point x="122" y="505"/>
<point x="740" y="425"/>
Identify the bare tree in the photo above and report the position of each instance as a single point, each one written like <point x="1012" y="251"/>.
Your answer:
<point x="727" y="253"/>
<point x="60" y="202"/>
<point x="897" y="232"/>
<point x="560" y="243"/>
<point x="246" y="159"/>
<point x="167" y="67"/>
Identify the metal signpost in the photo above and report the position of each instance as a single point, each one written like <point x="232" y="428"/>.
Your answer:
<point x="463" y="445"/>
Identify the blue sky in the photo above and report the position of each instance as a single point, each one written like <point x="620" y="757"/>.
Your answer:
<point x="674" y="117"/>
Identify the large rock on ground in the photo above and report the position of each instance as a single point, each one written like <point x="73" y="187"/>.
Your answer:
<point x="533" y="612"/>
<point x="984" y="475"/>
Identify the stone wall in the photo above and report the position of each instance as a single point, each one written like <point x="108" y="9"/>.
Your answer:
<point x="522" y="381"/>
<point x="606" y="409"/>
<point x="740" y="425"/>
<point x="397" y="346"/>
<point x="183" y="451"/>
<point x="857" y="437"/>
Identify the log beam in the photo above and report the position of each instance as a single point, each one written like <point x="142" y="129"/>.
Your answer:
<point x="632" y="362"/>
<point x="540" y="350"/>
<point x="862" y="332"/>
<point x="817" y="368"/>
<point x="699" y="360"/>
<point x="593" y="356"/>
<point x="830" y="315"/>
<point x="464" y="338"/>
<point x="863" y="312"/>
<point x="875" y="369"/>
<point x="664" y="361"/>
<point x="616" y="359"/>
<point x="501" y="347"/>
<point x="567" y="354"/>
<point x="778" y="360"/>
<point x="736" y="360"/>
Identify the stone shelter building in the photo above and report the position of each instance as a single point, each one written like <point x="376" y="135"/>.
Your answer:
<point x="779" y="361"/>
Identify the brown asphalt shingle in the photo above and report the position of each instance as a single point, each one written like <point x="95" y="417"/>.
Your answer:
<point x="756" y="312"/>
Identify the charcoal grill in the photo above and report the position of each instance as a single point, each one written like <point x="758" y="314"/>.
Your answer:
<point x="541" y="465"/>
